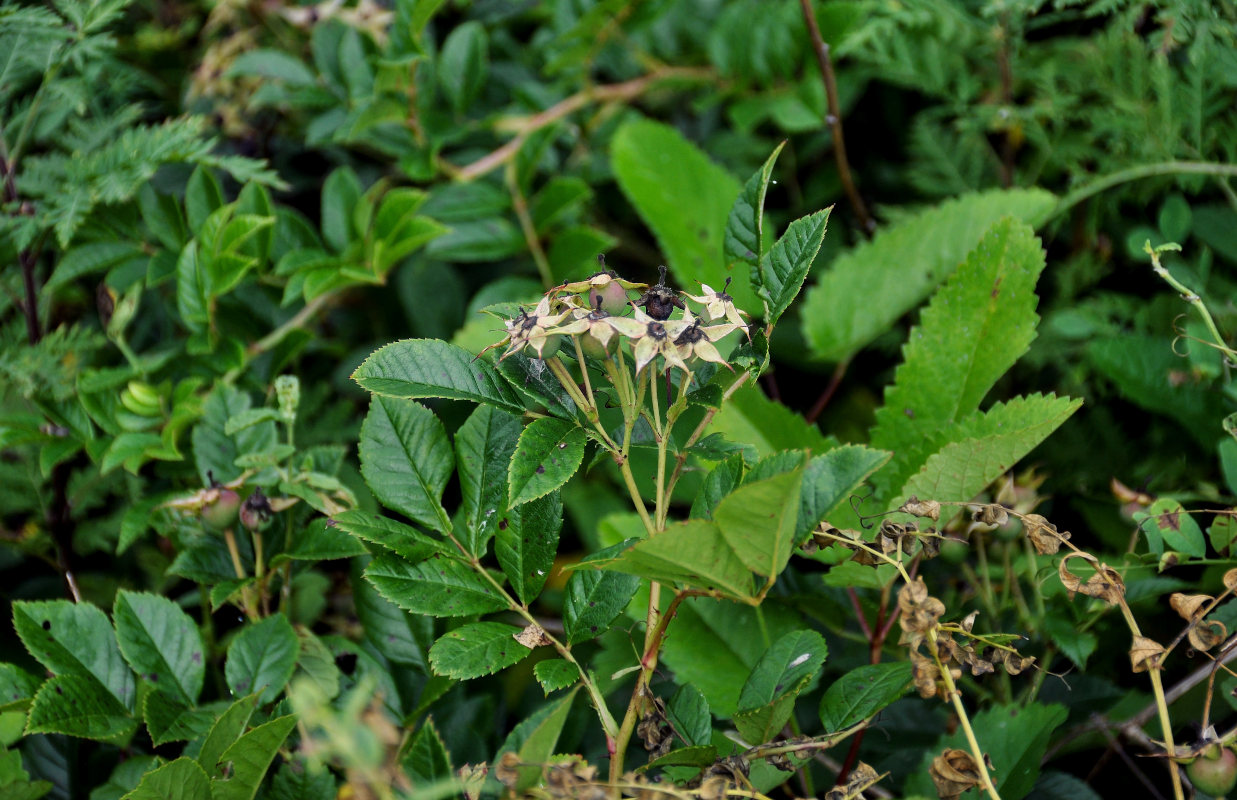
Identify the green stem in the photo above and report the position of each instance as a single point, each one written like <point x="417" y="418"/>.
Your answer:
<point x="1133" y="174"/>
<point x="526" y="225"/>
<point x="270" y="340"/>
<point x="1191" y="297"/>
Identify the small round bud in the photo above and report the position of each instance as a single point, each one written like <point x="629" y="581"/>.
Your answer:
<point x="256" y="512"/>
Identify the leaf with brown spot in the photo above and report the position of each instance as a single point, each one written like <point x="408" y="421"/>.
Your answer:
<point x="1145" y="654"/>
<point x="1105" y="584"/>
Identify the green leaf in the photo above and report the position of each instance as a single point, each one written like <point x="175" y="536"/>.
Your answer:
<point x="214" y="450"/>
<point x="539" y="741"/>
<point x="785" y="670"/>
<point x="262" y="657"/>
<point x="167" y="721"/>
<point x="463" y="64"/>
<point x="758" y="521"/>
<point x="1015" y="738"/>
<point x="400" y="637"/>
<point x="752" y="418"/>
<point x="1168" y="519"/>
<point x="193" y="290"/>
<point x="420" y="368"/>
<point x="532" y="377"/>
<point x="341" y="194"/>
<point x="272" y="64"/>
<point x="558" y="197"/>
<point x="476" y="241"/>
<point x="250" y="757"/>
<point x="123" y="779"/>
<point x="986" y="445"/>
<point x="593" y="600"/>
<point x="721" y="481"/>
<point x="202" y="197"/>
<point x="90" y="258"/>
<point x="548" y="453"/>
<point x="1142" y="367"/>
<point x="979" y="323"/>
<point x="744" y="235"/>
<point x="398" y="538"/>
<point x="427" y="759"/>
<point x="693" y="756"/>
<point x="1074" y="642"/>
<point x="297" y="781"/>
<point x="317" y="664"/>
<point x="694" y="553"/>
<point x="526" y="544"/>
<point x="320" y="541"/>
<point x="555" y="673"/>
<point x="226" y="730"/>
<point x="784" y="269"/>
<point x="77" y="705"/>
<point x="685" y="199"/>
<point x="406" y="459"/>
<point x="829" y="481"/>
<point x="688" y="713"/>
<point x="480" y="648"/>
<point x="484" y="445"/>
<point x="17" y="688"/>
<point x="573" y="251"/>
<point x="181" y="779"/>
<point x="862" y="692"/>
<point x="901" y="265"/>
<point x="440" y="587"/>
<point x="713" y="645"/>
<point x="162" y="644"/>
<point x="74" y="639"/>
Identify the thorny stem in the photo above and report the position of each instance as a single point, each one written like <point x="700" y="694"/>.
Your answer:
<point x="523" y="127"/>
<point x="834" y="118"/>
<point x="529" y="229"/>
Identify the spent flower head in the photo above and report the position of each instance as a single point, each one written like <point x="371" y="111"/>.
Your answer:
<point x="651" y="338"/>
<point x="719" y="305"/>
<point x="696" y="340"/>
<point x="660" y="300"/>
<point x="532" y="329"/>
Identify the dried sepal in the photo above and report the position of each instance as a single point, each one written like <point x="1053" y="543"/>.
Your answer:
<point x="1145" y="654"/>
<point x="1043" y="534"/>
<point x="918" y="611"/>
<point x="990" y="514"/>
<point x="1206" y="634"/>
<point x="925" y="674"/>
<point x="1190" y="607"/>
<point x="1230" y="580"/>
<point x="1106" y="583"/>
<point x="953" y="772"/>
<point x="922" y="508"/>
<point x="1126" y="495"/>
<point x="507" y="770"/>
<point x="860" y="779"/>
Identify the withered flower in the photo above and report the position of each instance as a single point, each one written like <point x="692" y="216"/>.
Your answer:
<point x="719" y="305"/>
<point x="660" y="300"/>
<point x="652" y="337"/>
<point x="697" y="340"/>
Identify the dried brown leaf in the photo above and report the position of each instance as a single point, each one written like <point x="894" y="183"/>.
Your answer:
<point x="1230" y="580"/>
<point x="1145" y="654"/>
<point x="922" y="508"/>
<point x="1105" y="584"/>
<point x="953" y="772"/>
<point x="990" y="514"/>
<point x="1207" y="634"/>
<point x="533" y="636"/>
<point x="1043" y="534"/>
<point x="1190" y="607"/>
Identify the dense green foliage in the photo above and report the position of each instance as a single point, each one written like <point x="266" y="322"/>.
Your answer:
<point x="333" y="464"/>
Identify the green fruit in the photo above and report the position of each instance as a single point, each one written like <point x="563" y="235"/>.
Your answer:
<point x="220" y="514"/>
<point x="611" y="298"/>
<point x="1214" y="772"/>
